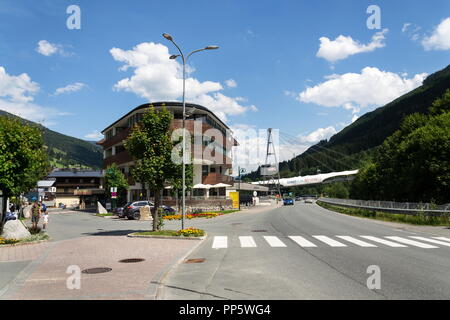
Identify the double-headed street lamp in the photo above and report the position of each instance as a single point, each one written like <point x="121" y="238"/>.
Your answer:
<point x="169" y="37"/>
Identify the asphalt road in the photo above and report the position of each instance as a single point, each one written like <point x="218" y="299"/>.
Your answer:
<point x="313" y="266"/>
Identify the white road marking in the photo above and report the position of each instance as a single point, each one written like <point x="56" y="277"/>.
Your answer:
<point x="442" y="238"/>
<point x="302" y="242"/>
<point x="412" y="242"/>
<point x="274" y="242"/>
<point x="385" y="242"/>
<point x="220" y="242"/>
<point x="247" y="242"/>
<point x="329" y="241"/>
<point x="357" y="242"/>
<point x="442" y="243"/>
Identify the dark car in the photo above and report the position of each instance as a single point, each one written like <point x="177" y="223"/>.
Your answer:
<point x="119" y="210"/>
<point x="288" y="202"/>
<point x="246" y="199"/>
<point x="168" y="209"/>
<point x="132" y="209"/>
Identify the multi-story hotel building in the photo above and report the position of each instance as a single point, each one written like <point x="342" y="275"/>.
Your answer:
<point x="211" y="148"/>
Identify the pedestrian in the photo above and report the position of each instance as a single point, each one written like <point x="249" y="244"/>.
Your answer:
<point x="45" y="216"/>
<point x="35" y="214"/>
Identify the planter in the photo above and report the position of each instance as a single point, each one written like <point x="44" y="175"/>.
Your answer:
<point x="134" y="235"/>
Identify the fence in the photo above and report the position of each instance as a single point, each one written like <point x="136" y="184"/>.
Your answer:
<point x="390" y="206"/>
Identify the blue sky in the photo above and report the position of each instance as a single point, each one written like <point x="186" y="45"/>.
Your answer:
<point x="307" y="68"/>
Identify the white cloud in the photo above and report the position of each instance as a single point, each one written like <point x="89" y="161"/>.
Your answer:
<point x="17" y="88"/>
<point x="343" y="47"/>
<point x="48" y="49"/>
<point x="318" y="135"/>
<point x="405" y="27"/>
<point x="156" y="77"/>
<point x="94" y="135"/>
<point x="231" y="83"/>
<point x="440" y="38"/>
<point x="70" y="88"/>
<point x="354" y="91"/>
<point x="17" y="96"/>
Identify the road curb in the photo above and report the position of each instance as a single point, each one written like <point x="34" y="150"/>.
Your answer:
<point x="157" y="282"/>
<point x="23" y="243"/>
<point x="132" y="235"/>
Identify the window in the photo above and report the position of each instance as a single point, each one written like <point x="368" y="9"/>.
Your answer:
<point x="108" y="134"/>
<point x="205" y="170"/>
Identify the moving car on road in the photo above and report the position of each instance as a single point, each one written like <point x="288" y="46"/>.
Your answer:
<point x="288" y="202"/>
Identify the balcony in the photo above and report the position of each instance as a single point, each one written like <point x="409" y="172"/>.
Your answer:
<point x="215" y="178"/>
<point x="120" y="158"/>
<point x="119" y="137"/>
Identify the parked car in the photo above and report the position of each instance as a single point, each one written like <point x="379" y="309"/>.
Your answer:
<point x="132" y="209"/>
<point x="119" y="210"/>
<point x="246" y="199"/>
<point x="168" y="209"/>
<point x="288" y="202"/>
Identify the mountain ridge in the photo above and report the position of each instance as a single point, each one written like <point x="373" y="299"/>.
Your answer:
<point x="66" y="151"/>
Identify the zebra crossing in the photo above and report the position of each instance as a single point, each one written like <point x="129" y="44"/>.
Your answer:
<point x="338" y="241"/>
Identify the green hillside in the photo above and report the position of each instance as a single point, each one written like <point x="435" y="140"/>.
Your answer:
<point x="349" y="148"/>
<point x="65" y="151"/>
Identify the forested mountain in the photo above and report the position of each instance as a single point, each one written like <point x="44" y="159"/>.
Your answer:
<point x="65" y="151"/>
<point x="349" y="148"/>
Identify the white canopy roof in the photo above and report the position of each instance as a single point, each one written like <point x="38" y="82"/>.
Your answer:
<point x="202" y="186"/>
<point x="221" y="185"/>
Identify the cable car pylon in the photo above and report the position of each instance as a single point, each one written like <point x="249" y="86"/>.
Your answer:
<point x="270" y="171"/>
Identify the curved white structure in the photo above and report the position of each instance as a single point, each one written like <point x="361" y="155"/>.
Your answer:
<point x="315" y="179"/>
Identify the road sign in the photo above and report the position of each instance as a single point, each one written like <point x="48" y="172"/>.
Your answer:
<point x="113" y="195"/>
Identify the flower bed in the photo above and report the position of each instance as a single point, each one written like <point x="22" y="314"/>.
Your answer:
<point x="191" y="232"/>
<point x="4" y="241"/>
<point x="207" y="215"/>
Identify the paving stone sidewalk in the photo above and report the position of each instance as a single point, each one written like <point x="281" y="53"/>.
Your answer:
<point x="46" y="276"/>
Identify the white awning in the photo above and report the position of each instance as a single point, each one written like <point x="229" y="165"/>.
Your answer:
<point x="202" y="186"/>
<point x="221" y="185"/>
<point x="46" y="183"/>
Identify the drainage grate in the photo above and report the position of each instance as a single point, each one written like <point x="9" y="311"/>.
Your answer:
<point x="259" y="230"/>
<point x="132" y="260"/>
<point x="96" y="270"/>
<point x="199" y="260"/>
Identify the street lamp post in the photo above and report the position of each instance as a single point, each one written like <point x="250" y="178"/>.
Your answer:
<point x="240" y="171"/>
<point x="169" y="37"/>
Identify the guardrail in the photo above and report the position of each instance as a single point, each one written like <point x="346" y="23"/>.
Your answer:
<point x="391" y="206"/>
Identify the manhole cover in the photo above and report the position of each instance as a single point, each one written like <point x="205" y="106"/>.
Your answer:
<point x="200" y="260"/>
<point x="259" y="230"/>
<point x="132" y="260"/>
<point x="96" y="270"/>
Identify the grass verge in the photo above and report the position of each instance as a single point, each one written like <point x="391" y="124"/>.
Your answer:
<point x="189" y="233"/>
<point x="104" y="214"/>
<point x="420" y="219"/>
<point x="42" y="236"/>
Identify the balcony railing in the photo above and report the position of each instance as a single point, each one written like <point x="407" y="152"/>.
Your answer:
<point x="216" y="178"/>
<point x="119" y="137"/>
<point x="119" y="158"/>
